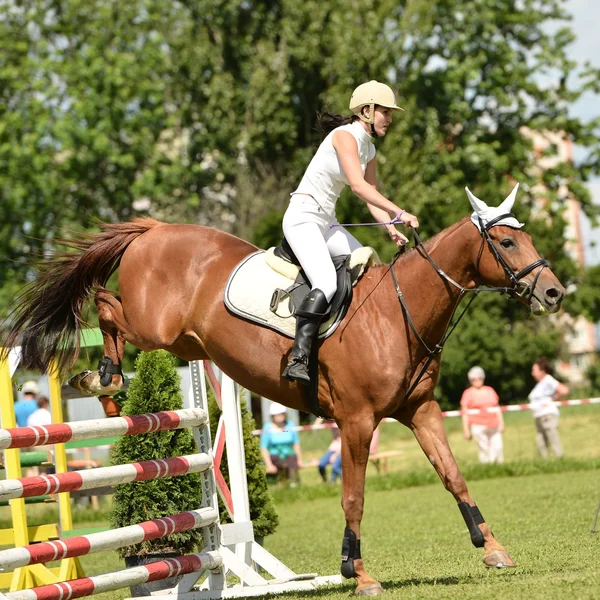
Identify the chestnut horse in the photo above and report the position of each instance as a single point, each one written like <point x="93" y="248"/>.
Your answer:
<point x="172" y="278"/>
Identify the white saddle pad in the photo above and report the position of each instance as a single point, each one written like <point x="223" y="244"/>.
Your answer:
<point x="251" y="285"/>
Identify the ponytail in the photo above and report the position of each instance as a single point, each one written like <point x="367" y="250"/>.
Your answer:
<point x="327" y="122"/>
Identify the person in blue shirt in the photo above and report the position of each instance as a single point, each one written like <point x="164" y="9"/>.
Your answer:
<point x="28" y="404"/>
<point x="280" y="445"/>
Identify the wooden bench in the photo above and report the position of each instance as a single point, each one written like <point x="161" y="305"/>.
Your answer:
<point x="380" y="459"/>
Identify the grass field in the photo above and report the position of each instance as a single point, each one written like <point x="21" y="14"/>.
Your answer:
<point x="414" y="540"/>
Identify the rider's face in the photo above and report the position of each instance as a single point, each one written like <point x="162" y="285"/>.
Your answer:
<point x="383" y="119"/>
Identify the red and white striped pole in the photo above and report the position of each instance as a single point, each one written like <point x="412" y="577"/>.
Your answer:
<point x="106" y="540"/>
<point x="87" y="586"/>
<point x="26" y="437"/>
<point x="104" y="476"/>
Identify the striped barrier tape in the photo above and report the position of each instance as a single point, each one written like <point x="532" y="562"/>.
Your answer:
<point x="450" y="413"/>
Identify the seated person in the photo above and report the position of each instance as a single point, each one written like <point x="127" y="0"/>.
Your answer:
<point x="332" y="457"/>
<point x="280" y="445"/>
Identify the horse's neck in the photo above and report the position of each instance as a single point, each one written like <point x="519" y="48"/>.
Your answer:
<point x="430" y="298"/>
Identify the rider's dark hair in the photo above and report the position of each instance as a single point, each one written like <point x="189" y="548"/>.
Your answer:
<point x="327" y="122"/>
<point x="544" y="364"/>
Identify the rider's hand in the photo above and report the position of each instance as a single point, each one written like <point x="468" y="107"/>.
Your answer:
<point x="409" y="219"/>
<point x="398" y="238"/>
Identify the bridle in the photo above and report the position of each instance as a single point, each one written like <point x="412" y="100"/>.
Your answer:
<point x="513" y="291"/>
<point x="515" y="278"/>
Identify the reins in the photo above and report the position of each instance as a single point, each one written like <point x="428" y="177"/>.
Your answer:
<point x="515" y="278"/>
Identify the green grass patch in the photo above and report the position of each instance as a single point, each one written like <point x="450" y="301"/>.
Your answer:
<point x="415" y="542"/>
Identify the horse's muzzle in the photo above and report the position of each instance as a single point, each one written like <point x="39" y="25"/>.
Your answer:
<point x="547" y="300"/>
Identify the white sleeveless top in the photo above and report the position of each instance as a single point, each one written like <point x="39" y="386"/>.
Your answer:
<point x="324" y="178"/>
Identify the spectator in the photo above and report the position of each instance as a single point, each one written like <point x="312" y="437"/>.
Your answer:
<point x="42" y="415"/>
<point x="486" y="427"/>
<point x="280" y="445"/>
<point x="542" y="399"/>
<point x="28" y="405"/>
<point x="332" y="457"/>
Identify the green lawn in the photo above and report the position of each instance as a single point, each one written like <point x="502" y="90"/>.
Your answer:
<point x="414" y="540"/>
<point x="416" y="544"/>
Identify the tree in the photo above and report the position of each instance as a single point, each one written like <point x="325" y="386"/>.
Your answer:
<point x="585" y="300"/>
<point x="205" y="112"/>
<point x="156" y="387"/>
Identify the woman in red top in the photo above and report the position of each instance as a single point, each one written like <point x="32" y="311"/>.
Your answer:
<point x="486" y="427"/>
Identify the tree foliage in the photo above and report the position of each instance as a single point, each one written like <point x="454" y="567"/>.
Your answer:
<point x="155" y="387"/>
<point x="204" y="111"/>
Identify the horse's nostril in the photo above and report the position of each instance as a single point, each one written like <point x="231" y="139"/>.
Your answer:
<point x="553" y="294"/>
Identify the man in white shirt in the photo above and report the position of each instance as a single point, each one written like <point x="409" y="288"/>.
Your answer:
<point x="545" y="412"/>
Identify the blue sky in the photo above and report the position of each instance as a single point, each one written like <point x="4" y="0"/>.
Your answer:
<point x="586" y="24"/>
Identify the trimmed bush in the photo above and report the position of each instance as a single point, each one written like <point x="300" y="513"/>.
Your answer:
<point x="155" y="387"/>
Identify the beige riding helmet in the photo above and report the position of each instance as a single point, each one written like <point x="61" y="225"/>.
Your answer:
<point x="370" y="94"/>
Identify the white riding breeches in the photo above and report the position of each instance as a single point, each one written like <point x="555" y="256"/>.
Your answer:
<point x="307" y="228"/>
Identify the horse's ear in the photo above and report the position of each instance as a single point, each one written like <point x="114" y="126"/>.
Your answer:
<point x="508" y="203"/>
<point x="479" y="206"/>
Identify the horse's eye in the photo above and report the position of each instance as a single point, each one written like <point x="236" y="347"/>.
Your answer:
<point x="507" y="243"/>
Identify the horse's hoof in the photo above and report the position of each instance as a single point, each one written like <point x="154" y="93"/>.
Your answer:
<point x="499" y="559"/>
<point x="88" y="383"/>
<point x="373" y="589"/>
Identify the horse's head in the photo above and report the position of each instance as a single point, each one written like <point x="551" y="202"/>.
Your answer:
<point x="507" y="257"/>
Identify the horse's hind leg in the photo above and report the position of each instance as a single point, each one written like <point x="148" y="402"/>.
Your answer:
<point x="356" y="439"/>
<point x="426" y="423"/>
<point x="108" y="379"/>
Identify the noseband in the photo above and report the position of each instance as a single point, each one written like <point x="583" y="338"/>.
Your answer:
<point x="513" y="291"/>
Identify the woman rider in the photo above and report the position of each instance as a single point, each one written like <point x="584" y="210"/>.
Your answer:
<point x="345" y="157"/>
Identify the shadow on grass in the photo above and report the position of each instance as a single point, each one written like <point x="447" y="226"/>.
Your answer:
<point x="388" y="586"/>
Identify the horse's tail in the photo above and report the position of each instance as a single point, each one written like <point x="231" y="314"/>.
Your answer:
<point x="47" y="318"/>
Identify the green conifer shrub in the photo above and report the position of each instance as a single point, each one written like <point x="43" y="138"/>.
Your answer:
<point x="155" y="387"/>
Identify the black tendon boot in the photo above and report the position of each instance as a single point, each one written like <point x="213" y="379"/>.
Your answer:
<point x="309" y="315"/>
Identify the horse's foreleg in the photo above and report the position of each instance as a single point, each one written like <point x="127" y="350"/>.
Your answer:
<point x="356" y="438"/>
<point x="426" y="423"/>
<point x="108" y="379"/>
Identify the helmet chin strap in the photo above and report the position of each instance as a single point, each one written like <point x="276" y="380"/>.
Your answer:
<point x="370" y="120"/>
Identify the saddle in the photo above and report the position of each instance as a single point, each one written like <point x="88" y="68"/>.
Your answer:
<point x="347" y="277"/>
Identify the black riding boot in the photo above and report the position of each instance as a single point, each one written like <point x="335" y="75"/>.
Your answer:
<point x="309" y="315"/>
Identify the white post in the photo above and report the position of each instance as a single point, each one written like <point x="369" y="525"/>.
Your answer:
<point x="236" y="462"/>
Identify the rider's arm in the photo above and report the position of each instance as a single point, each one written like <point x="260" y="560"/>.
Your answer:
<point x="380" y="215"/>
<point x="371" y="178"/>
<point x="347" y="150"/>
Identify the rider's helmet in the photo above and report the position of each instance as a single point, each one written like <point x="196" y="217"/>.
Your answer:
<point x="373" y="93"/>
